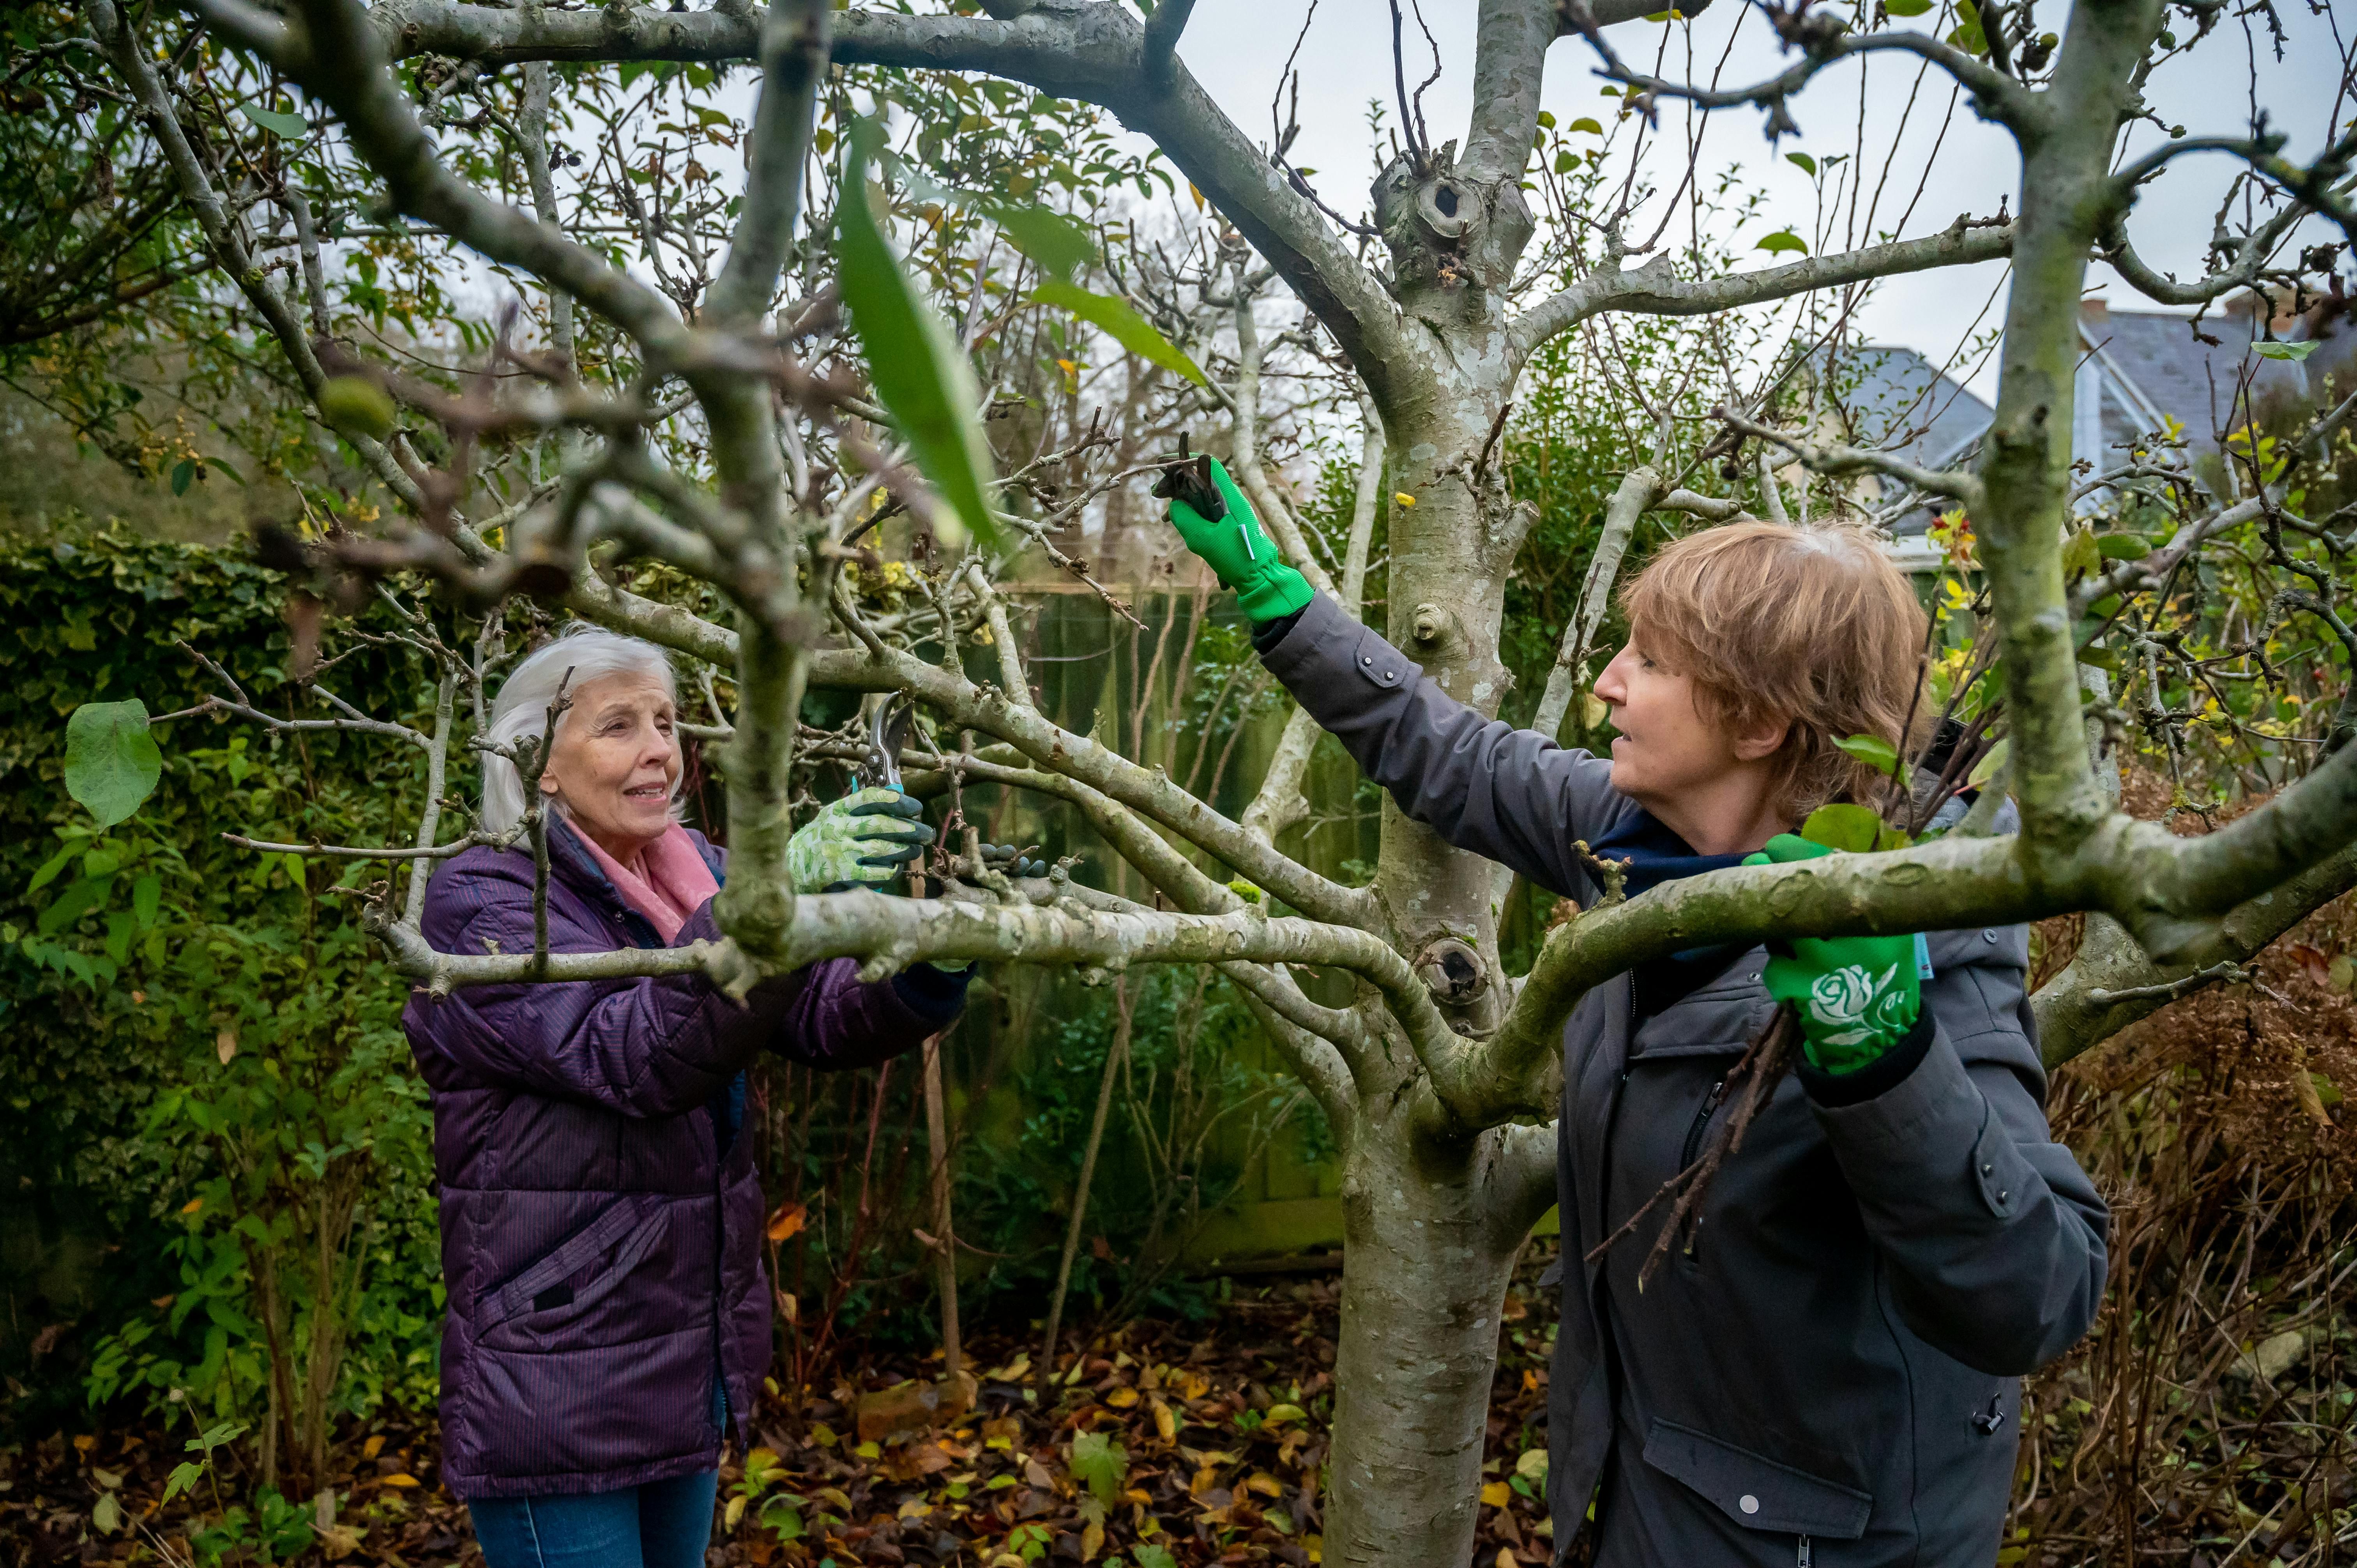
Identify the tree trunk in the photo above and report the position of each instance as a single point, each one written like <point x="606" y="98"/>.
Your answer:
<point x="1425" y="1263"/>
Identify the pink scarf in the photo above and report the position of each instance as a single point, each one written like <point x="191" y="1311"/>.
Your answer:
<point x="667" y="882"/>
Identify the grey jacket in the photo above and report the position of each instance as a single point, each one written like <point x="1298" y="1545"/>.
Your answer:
<point x="1829" y="1374"/>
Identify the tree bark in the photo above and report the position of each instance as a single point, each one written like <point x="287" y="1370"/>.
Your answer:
<point x="1431" y="1231"/>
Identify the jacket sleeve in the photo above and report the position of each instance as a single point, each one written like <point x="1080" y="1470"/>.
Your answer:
<point x="654" y="1046"/>
<point x="1994" y="1236"/>
<point x="1482" y="784"/>
<point x="825" y="1018"/>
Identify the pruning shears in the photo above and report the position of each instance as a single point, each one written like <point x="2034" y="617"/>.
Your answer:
<point x="1189" y="479"/>
<point x="887" y="731"/>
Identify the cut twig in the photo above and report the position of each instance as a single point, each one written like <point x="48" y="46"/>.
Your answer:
<point x="1762" y="1068"/>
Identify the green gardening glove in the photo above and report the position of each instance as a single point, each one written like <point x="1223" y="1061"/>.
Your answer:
<point x="864" y="838"/>
<point x="1857" y="996"/>
<point x="1236" y="548"/>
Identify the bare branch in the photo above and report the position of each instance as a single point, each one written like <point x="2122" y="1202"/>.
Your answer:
<point x="1822" y="459"/>
<point x="1655" y="289"/>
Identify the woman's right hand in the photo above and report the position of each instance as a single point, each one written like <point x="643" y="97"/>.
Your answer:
<point x="1241" y="553"/>
<point x="865" y="837"/>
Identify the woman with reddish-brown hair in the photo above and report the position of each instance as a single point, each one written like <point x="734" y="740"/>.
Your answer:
<point x="1828" y="1372"/>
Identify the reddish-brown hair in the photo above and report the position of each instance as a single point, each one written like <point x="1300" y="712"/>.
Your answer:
<point x="1811" y="625"/>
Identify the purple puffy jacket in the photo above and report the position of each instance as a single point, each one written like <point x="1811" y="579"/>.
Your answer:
<point x="601" y="1216"/>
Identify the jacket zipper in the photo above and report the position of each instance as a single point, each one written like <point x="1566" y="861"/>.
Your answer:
<point x="1803" y="1558"/>
<point x="1702" y="1121"/>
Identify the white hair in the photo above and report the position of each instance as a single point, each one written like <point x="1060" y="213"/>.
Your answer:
<point x="522" y="705"/>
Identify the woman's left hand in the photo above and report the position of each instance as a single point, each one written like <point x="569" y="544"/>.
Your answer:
<point x="1857" y="996"/>
<point x="862" y="838"/>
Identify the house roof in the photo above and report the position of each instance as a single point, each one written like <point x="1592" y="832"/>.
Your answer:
<point x="1896" y="400"/>
<point x="2167" y="369"/>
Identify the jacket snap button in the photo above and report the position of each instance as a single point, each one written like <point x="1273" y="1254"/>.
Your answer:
<point x="1989" y="937"/>
<point x="1748" y="1503"/>
<point x="2002" y="1195"/>
<point x="1988" y="1170"/>
<point x="1366" y="659"/>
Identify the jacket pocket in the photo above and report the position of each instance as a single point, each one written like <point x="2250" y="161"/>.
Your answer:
<point x="630" y="1227"/>
<point x="1757" y="1493"/>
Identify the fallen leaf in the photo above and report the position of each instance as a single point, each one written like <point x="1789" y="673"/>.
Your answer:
<point x="1092" y="1543"/>
<point x="1496" y="1494"/>
<point x="375" y="1444"/>
<point x="1122" y="1398"/>
<point x="1532" y="1465"/>
<point x="193" y="1206"/>
<point x="1403" y="498"/>
<point x="398" y="1479"/>
<point x="1266" y="1485"/>
<point x="1165" y="1422"/>
<point x="225" y="1045"/>
<point x="787" y="1220"/>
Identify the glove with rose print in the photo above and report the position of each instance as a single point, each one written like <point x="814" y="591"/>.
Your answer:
<point x="1857" y="996"/>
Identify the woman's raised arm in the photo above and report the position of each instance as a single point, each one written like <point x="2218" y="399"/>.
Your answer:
<point x="1482" y="784"/>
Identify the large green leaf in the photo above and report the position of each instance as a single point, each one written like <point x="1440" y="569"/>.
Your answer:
<point x="1124" y="325"/>
<point x="111" y="762"/>
<point x="1855" y="829"/>
<point x="914" y="362"/>
<point x="1871" y="749"/>
<point x="293" y="126"/>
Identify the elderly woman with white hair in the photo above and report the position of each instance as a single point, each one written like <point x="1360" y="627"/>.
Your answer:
<point x="609" y="1317"/>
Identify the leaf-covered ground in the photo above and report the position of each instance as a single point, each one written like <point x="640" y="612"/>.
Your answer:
<point x="1156" y="1446"/>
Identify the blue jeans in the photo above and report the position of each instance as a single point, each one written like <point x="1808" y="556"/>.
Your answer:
<point x="663" y="1524"/>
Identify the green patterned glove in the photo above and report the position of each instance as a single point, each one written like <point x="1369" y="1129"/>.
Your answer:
<point x="864" y="838"/>
<point x="1857" y="996"/>
<point x="1241" y="553"/>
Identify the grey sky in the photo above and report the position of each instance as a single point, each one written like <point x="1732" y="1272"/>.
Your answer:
<point x="1237" y="48"/>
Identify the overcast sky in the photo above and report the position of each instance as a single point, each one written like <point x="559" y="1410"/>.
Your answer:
<point x="1237" y="49"/>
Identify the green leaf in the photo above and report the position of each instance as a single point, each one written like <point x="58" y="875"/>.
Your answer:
<point x="51" y="867"/>
<point x="1101" y="1464"/>
<point x="1968" y="36"/>
<point x="1842" y="826"/>
<point x="293" y="126"/>
<point x="1152" y="1556"/>
<point x="1871" y="749"/>
<point x="183" y="472"/>
<point x="2101" y="658"/>
<point x="1784" y="239"/>
<point x="111" y="762"/>
<point x="1121" y="324"/>
<point x="918" y="369"/>
<point x="1060" y="244"/>
<point x="2328" y="1093"/>
<point x="2295" y="352"/>
<point x="1989" y="767"/>
<point x="146" y="898"/>
<point x="1801" y="160"/>
<point x="183" y="1477"/>
<point x="2081" y="554"/>
<point x="1588" y="123"/>
<point x="1546" y="121"/>
<point x="355" y="405"/>
<point x="1906" y="7"/>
